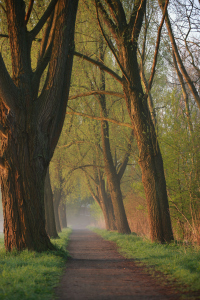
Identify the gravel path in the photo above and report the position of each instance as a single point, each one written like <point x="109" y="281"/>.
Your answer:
<point x="97" y="271"/>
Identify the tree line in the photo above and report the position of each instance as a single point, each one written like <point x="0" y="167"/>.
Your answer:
<point x="136" y="74"/>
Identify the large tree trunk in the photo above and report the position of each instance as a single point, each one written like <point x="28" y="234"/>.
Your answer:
<point x="31" y="124"/>
<point x="150" y="158"/>
<point x="49" y="209"/>
<point x="63" y="214"/>
<point x="56" y="202"/>
<point x="22" y="186"/>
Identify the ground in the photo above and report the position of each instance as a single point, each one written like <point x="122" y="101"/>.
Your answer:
<point x="97" y="271"/>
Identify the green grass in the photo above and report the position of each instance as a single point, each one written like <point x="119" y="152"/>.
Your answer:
<point x="180" y="263"/>
<point x="31" y="275"/>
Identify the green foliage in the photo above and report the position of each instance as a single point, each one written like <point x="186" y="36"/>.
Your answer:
<point x="177" y="261"/>
<point x="95" y="211"/>
<point x="180" y="148"/>
<point x="32" y="275"/>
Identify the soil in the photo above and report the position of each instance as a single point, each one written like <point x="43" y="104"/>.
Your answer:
<point x="97" y="271"/>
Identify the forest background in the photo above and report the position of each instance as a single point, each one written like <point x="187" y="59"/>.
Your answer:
<point x="78" y="158"/>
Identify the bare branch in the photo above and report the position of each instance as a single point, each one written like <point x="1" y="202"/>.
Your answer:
<point x="99" y="118"/>
<point x="157" y="48"/>
<point x="111" y="93"/>
<point x="30" y="7"/>
<point x="4" y="35"/>
<point x="100" y="65"/>
<point x="70" y="144"/>
<point x="34" y="32"/>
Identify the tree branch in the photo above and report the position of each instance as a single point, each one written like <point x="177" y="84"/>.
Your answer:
<point x="136" y="19"/>
<point x="111" y="93"/>
<point x="118" y="12"/>
<point x="157" y="48"/>
<point x="107" y="20"/>
<point x="8" y="90"/>
<point x="99" y="118"/>
<point x="110" y="45"/>
<point x="70" y="144"/>
<point x="1" y="5"/>
<point x="30" y="7"/>
<point x="100" y="65"/>
<point x="34" y="32"/>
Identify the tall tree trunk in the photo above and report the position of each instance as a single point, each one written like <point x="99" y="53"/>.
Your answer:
<point x="106" y="206"/>
<point x="113" y="182"/>
<point x="110" y="170"/>
<point x="150" y="158"/>
<point x="49" y="209"/>
<point x="56" y="202"/>
<point x="63" y="214"/>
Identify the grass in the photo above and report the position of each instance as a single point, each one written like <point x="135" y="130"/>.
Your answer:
<point x="180" y="263"/>
<point x="31" y="275"/>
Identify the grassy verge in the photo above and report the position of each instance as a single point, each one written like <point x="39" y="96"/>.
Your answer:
<point x="31" y="275"/>
<point x="180" y="263"/>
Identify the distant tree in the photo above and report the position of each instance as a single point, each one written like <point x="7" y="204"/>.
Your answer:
<point x="31" y="121"/>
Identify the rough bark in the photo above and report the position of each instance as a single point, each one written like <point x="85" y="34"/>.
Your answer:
<point x="63" y="215"/>
<point x="49" y="209"/>
<point x="33" y="124"/>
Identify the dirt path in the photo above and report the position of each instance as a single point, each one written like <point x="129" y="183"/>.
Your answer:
<point x="97" y="271"/>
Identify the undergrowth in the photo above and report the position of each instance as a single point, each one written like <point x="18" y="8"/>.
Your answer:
<point x="31" y="275"/>
<point x="181" y="263"/>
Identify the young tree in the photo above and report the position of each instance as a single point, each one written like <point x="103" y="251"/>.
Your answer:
<point x="31" y="122"/>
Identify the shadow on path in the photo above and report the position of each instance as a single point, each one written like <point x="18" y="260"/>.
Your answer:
<point x="97" y="271"/>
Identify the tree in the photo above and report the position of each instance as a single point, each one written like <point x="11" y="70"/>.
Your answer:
<point x="121" y="35"/>
<point x="31" y="122"/>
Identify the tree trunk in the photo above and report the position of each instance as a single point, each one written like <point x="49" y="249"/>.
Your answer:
<point x="49" y="209"/>
<point x="56" y="202"/>
<point x="106" y="206"/>
<point x="110" y="170"/>
<point x="113" y="182"/>
<point x="22" y="186"/>
<point x="63" y="214"/>
<point x="150" y="158"/>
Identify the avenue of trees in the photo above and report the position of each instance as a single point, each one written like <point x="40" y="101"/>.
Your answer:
<point x="131" y="127"/>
